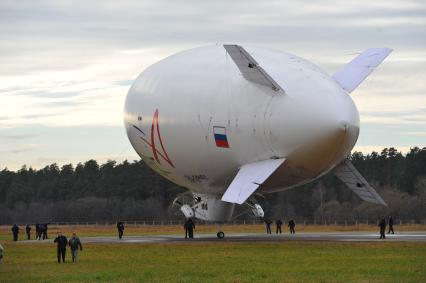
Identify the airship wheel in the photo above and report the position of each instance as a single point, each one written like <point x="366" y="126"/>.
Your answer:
<point x="220" y="235"/>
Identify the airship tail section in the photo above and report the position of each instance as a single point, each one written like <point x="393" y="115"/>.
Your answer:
<point x="249" y="178"/>
<point x="348" y="174"/>
<point x="355" y="72"/>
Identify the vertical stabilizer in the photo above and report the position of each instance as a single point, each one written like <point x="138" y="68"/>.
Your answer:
<point x="355" y="72"/>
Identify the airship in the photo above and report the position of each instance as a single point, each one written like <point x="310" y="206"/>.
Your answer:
<point x="230" y="123"/>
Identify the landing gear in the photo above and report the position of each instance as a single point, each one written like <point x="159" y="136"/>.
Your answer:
<point x="220" y="235"/>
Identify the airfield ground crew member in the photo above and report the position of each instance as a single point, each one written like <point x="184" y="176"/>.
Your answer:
<point x="28" y="230"/>
<point x="15" y="232"/>
<point x="191" y="227"/>
<point x="391" y="225"/>
<point x="41" y="228"/>
<point x="61" y="243"/>
<point x="185" y="226"/>
<point x="382" y="225"/>
<point x="291" y="225"/>
<point x="74" y="244"/>
<point x="279" y="223"/>
<point x="120" y="228"/>
<point x="268" y="226"/>
<point x="1" y="253"/>
<point x="44" y="231"/>
<point x="38" y="233"/>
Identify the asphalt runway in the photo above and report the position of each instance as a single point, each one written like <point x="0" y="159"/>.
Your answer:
<point x="259" y="237"/>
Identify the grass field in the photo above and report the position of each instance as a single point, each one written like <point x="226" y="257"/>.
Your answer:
<point x="215" y="261"/>
<point x="220" y="262"/>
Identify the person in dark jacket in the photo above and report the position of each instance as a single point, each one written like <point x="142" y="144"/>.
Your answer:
<point x="41" y="229"/>
<point x="185" y="226"/>
<point x="390" y="225"/>
<point x="268" y="225"/>
<point x="61" y="243"/>
<point x="28" y="230"/>
<point x="120" y="229"/>
<point x="1" y="253"/>
<point x="74" y="244"/>
<point x="15" y="232"/>
<point x="38" y="231"/>
<point x="382" y="225"/>
<point x="191" y="227"/>
<point x="44" y="231"/>
<point x="279" y="223"/>
<point x="291" y="225"/>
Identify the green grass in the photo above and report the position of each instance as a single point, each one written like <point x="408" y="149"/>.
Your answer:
<point x="220" y="262"/>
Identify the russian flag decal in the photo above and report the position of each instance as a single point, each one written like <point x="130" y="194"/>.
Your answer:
<point x="220" y="137"/>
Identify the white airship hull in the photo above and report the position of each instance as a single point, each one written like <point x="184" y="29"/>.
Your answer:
<point x="196" y="120"/>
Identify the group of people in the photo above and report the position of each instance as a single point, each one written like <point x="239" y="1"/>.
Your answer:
<point x="41" y="231"/>
<point x="382" y="225"/>
<point x="291" y="225"/>
<point x="75" y="244"/>
<point x="62" y="242"/>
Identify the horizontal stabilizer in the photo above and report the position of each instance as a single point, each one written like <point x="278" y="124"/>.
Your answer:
<point x="348" y="174"/>
<point x="249" y="68"/>
<point x="355" y="72"/>
<point x="249" y="178"/>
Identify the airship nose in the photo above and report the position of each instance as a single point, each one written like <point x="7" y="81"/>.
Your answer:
<point x="302" y="122"/>
<point x="348" y="121"/>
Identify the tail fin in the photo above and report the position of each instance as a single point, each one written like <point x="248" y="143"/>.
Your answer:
<point x="348" y="174"/>
<point x="354" y="73"/>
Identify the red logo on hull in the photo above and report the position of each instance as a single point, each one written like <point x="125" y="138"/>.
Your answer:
<point x="155" y="127"/>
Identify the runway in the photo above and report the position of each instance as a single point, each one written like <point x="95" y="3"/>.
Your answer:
<point x="259" y="237"/>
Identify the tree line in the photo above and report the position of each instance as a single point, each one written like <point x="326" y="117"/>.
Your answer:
<point x="132" y="191"/>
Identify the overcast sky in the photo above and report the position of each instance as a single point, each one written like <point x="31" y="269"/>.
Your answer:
<point x="66" y="66"/>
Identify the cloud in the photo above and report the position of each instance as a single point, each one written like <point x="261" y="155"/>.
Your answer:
<point x="17" y="136"/>
<point x="69" y="64"/>
<point x="22" y="150"/>
<point x="418" y="133"/>
<point x="18" y="149"/>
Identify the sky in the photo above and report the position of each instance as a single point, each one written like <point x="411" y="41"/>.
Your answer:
<point x="66" y="66"/>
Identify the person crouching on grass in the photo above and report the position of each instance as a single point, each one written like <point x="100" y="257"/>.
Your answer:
<point x="74" y="244"/>
<point x="61" y="242"/>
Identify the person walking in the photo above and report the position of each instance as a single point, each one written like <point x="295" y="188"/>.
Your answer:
<point x="44" y="231"/>
<point x="185" y="226"/>
<point x="120" y="229"/>
<point x="279" y="223"/>
<point x="28" y="230"/>
<point x="38" y="232"/>
<point x="61" y="243"/>
<point x="268" y="225"/>
<point x="291" y="225"/>
<point x="74" y="244"/>
<point x="390" y="225"/>
<point x="191" y="227"/>
<point x="41" y="227"/>
<point x="1" y="253"/>
<point x="15" y="232"/>
<point x="382" y="225"/>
